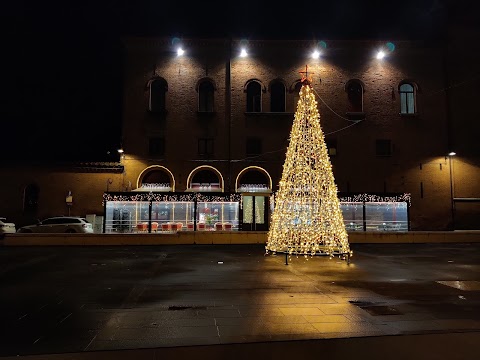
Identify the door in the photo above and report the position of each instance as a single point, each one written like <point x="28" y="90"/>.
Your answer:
<point x="255" y="213"/>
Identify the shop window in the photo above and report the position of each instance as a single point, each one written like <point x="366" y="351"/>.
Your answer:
<point x="253" y="146"/>
<point x="156" y="146"/>
<point x="277" y="96"/>
<point x="205" y="147"/>
<point x="352" y="215"/>
<point x="254" y="97"/>
<point x="157" y="92"/>
<point x="205" y="96"/>
<point x="386" y="216"/>
<point x="407" y="98"/>
<point x="383" y="147"/>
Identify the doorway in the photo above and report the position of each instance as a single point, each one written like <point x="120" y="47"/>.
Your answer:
<point x="255" y="213"/>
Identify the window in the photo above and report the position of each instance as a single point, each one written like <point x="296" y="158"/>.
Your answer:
<point x="205" y="96"/>
<point x="383" y="147"/>
<point x="254" y="146"/>
<point x="156" y="146"/>
<point x="277" y="96"/>
<point x="354" y="90"/>
<point x="331" y="147"/>
<point x="407" y="99"/>
<point x="158" y="88"/>
<point x="49" y="222"/>
<point x="205" y="147"/>
<point x="254" y="97"/>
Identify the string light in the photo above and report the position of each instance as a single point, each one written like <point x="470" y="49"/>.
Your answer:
<point x="169" y="197"/>
<point x="307" y="218"/>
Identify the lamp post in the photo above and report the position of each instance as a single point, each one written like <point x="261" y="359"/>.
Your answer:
<point x="452" y="187"/>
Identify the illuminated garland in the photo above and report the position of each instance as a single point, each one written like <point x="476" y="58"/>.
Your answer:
<point x="307" y="218"/>
<point x="169" y="197"/>
<point x="370" y="198"/>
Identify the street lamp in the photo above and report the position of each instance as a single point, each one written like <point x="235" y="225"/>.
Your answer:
<point x="452" y="187"/>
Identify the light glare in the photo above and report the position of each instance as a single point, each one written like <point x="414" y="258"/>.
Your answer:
<point x="243" y="53"/>
<point x="380" y="55"/>
<point x="316" y="54"/>
<point x="180" y="51"/>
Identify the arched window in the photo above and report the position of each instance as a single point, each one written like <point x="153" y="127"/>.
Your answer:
<point x="277" y="96"/>
<point x="407" y="98"/>
<point x="205" y="178"/>
<point x="354" y="90"/>
<point x="254" y="97"/>
<point x="156" y="178"/>
<point x="158" y="88"/>
<point x="205" y="96"/>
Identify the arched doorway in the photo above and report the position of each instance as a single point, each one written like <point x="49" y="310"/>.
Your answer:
<point x="255" y="184"/>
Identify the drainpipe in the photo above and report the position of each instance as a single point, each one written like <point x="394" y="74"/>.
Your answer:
<point x="228" y="111"/>
<point x="450" y="137"/>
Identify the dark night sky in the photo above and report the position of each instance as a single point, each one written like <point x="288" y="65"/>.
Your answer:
<point x="61" y="87"/>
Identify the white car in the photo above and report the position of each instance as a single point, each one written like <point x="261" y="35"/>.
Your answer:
<point x="6" y="228"/>
<point x="59" y="224"/>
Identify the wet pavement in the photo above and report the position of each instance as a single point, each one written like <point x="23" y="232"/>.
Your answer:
<point x="87" y="299"/>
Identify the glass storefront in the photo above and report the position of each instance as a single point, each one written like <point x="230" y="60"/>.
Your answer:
<point x="352" y="215"/>
<point x="123" y="216"/>
<point x="171" y="216"/>
<point x="150" y="212"/>
<point x="145" y="213"/>
<point x="217" y="216"/>
<point x="375" y="216"/>
<point x="386" y="216"/>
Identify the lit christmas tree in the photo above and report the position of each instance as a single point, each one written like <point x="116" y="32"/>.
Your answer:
<point x="307" y="219"/>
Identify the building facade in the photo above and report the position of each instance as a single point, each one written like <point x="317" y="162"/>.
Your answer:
<point x="216" y="120"/>
<point x="213" y="113"/>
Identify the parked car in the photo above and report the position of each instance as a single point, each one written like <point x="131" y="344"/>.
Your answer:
<point x="6" y="228"/>
<point x="59" y="224"/>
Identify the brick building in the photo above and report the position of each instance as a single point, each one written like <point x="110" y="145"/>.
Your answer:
<point x="213" y="120"/>
<point x="385" y="120"/>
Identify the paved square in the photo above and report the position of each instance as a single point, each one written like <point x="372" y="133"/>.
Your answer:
<point x="75" y="299"/>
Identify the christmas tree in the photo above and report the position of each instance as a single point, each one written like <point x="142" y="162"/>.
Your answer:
<point x="307" y="218"/>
